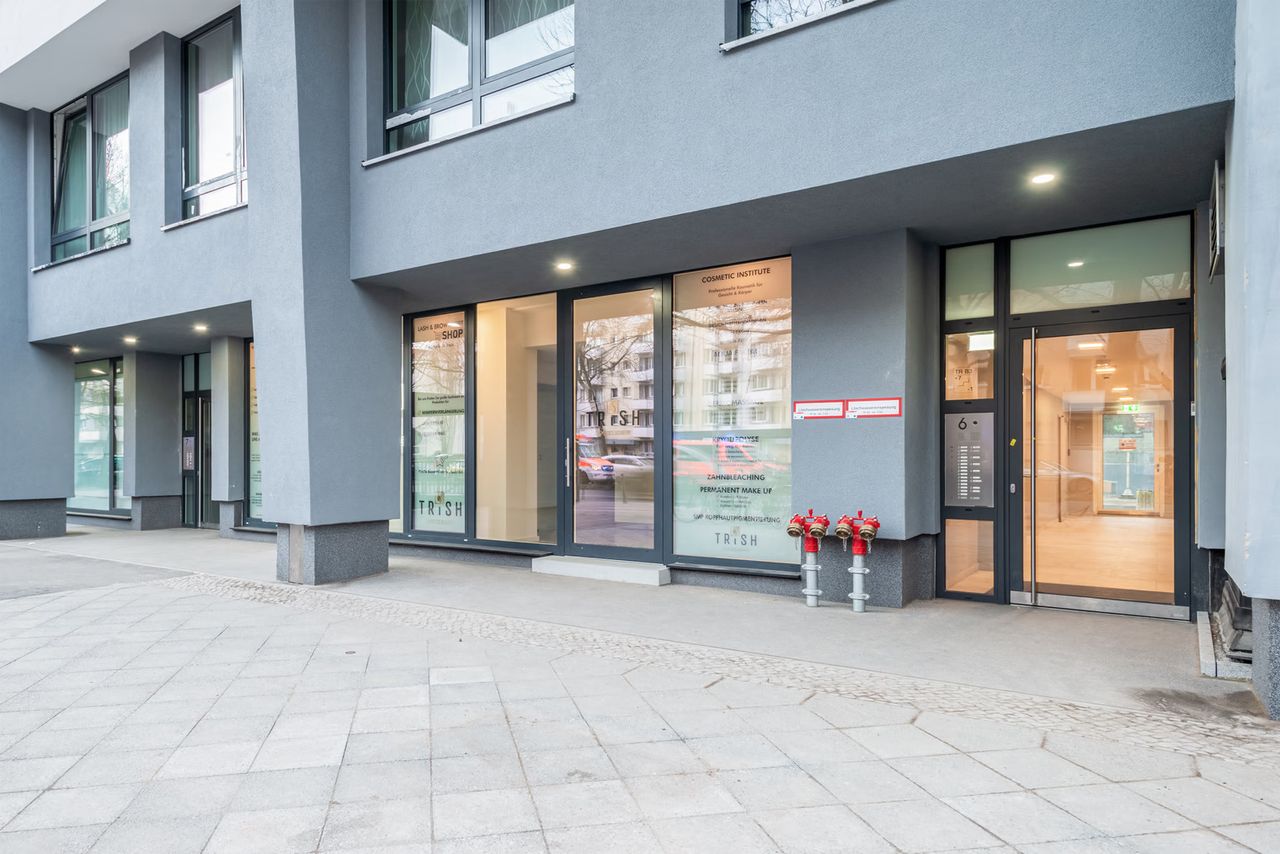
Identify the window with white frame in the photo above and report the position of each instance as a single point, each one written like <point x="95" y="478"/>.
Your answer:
<point x="456" y="64"/>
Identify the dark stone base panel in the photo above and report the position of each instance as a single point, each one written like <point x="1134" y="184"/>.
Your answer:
<point x="230" y="516"/>
<point x="320" y="554"/>
<point x="34" y="518"/>
<point x="1266" y="654"/>
<point x="153" y="512"/>
<point x="901" y="572"/>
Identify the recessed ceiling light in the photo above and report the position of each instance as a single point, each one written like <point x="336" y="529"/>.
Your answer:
<point x="1044" y="178"/>
<point x="1125" y="398"/>
<point x="130" y="340"/>
<point x="564" y="266"/>
<point x="75" y="349"/>
<point x="1075" y="263"/>
<point x="200" y="327"/>
<point x="1105" y="368"/>
<point x="1090" y="345"/>
<point x="1120" y="388"/>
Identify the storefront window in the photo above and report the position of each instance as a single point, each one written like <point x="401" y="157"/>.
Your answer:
<point x="731" y="452"/>
<point x="99" y="437"/>
<point x="1112" y="265"/>
<point x="439" y="361"/>
<point x="516" y="459"/>
<point x="255" y="441"/>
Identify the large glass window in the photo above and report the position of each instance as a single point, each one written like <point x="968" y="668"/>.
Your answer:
<point x="91" y="171"/>
<point x="758" y="16"/>
<point x="516" y="460"/>
<point x="731" y="335"/>
<point x="99" y="437"/>
<point x="438" y="363"/>
<point x="214" y="145"/>
<point x="254" y="498"/>
<point x="435" y="86"/>
<point x="1112" y="265"/>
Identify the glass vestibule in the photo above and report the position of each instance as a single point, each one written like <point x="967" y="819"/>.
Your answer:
<point x="1066" y="360"/>
<point x="648" y="420"/>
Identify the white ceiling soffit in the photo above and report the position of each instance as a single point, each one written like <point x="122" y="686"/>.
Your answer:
<point x="51" y="51"/>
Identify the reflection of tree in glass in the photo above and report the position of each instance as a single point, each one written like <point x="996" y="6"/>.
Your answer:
<point x="601" y="349"/>
<point x="764" y="15"/>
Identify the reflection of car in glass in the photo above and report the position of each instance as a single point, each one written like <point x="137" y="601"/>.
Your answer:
<point x="593" y="467"/>
<point x="703" y="457"/>
<point x="632" y="476"/>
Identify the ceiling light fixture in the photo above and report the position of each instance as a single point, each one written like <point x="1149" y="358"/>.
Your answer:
<point x="1125" y="398"/>
<point x="98" y="371"/>
<point x="564" y="266"/>
<point x="130" y="340"/>
<point x="1090" y="345"/>
<point x="1120" y="388"/>
<point x="200" y="327"/>
<point x="1044" y="178"/>
<point x="453" y="324"/>
<point x="75" y="349"/>
<point x="1105" y="368"/>
<point x="1075" y="263"/>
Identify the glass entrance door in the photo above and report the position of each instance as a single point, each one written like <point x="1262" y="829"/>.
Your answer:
<point x="1096" y="438"/>
<point x="198" y="507"/>
<point x="610" y="463"/>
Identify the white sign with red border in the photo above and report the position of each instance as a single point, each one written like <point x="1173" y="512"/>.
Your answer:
<point x="873" y="407"/>
<point x="805" y="410"/>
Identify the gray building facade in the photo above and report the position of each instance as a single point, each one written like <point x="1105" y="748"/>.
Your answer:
<point x="623" y="286"/>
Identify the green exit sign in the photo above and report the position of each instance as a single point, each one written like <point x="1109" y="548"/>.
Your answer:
<point x="1129" y="407"/>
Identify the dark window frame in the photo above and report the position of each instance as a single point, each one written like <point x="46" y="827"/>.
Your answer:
<point x="91" y="225"/>
<point x="239" y="175"/>
<point x="479" y="84"/>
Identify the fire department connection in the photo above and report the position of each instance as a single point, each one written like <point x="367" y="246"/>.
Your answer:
<point x="810" y="529"/>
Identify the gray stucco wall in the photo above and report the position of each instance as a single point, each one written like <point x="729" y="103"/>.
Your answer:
<point x="1210" y="395"/>
<point x="1252" y="254"/>
<point x="862" y="327"/>
<point x="152" y="424"/>
<point x="36" y="383"/>
<point x="665" y="124"/>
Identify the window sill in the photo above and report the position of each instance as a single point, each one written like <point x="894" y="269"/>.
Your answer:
<point x="80" y="255"/>
<point x="202" y="217"/>
<point x="374" y="161"/>
<point x="726" y="47"/>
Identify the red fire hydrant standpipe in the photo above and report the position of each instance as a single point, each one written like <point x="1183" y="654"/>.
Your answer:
<point x="811" y="529"/>
<point x="861" y="530"/>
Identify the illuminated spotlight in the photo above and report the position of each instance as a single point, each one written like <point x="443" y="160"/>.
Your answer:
<point x="1075" y="263"/>
<point x="1044" y="178"/>
<point x="564" y="266"/>
<point x="130" y="340"/>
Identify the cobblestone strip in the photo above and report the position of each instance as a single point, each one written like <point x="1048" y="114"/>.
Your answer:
<point x="1233" y="739"/>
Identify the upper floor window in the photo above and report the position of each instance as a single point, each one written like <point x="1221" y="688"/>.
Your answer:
<point x="91" y="171"/>
<point x="456" y="64"/>
<point x="758" y="16"/>
<point x="213" y="120"/>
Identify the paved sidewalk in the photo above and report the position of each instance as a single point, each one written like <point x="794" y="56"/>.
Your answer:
<point x="199" y="713"/>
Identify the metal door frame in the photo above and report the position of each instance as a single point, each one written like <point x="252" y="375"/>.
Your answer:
<point x="204" y="402"/>
<point x="661" y="286"/>
<point x="1178" y="320"/>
